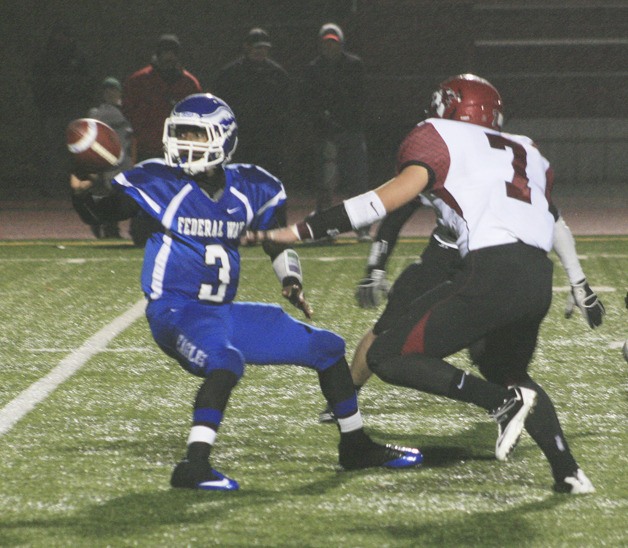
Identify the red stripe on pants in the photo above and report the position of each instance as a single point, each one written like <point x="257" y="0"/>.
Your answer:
<point x="415" y="343"/>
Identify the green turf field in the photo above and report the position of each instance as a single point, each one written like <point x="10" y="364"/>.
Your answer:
<point x="90" y="464"/>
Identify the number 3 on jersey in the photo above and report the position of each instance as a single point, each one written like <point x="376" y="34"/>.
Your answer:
<point x="518" y="187"/>
<point x="213" y="254"/>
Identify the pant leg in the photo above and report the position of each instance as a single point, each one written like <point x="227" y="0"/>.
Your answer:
<point x="198" y="336"/>
<point x="437" y="264"/>
<point x="500" y="288"/>
<point x="506" y="352"/>
<point x="495" y="288"/>
<point x="265" y="335"/>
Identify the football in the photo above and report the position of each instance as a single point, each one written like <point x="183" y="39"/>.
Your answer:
<point x="93" y="145"/>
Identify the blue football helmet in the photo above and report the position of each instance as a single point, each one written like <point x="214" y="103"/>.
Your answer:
<point x="204" y="113"/>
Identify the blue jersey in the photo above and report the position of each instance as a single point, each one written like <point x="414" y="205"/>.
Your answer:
<point x="196" y="256"/>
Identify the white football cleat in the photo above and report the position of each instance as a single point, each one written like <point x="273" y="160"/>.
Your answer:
<point x="510" y="418"/>
<point x="576" y="484"/>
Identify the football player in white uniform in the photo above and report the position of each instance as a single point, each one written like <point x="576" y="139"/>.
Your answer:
<point x="493" y="191"/>
<point x="437" y="264"/>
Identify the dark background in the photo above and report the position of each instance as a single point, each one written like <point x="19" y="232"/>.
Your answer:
<point x="551" y="60"/>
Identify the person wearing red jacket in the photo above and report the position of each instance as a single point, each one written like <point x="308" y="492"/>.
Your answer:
<point x="150" y="93"/>
<point x="147" y="98"/>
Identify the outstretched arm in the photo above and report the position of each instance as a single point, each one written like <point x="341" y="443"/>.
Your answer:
<point x="357" y="212"/>
<point x="581" y="294"/>
<point x="115" y="207"/>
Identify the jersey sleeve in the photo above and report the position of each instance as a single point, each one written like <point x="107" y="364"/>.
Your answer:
<point x="424" y="146"/>
<point x="266" y="195"/>
<point x="153" y="186"/>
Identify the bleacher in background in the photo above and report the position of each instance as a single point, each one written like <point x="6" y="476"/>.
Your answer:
<point x="561" y="65"/>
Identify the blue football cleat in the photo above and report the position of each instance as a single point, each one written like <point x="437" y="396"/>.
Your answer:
<point x="365" y="453"/>
<point x="219" y="482"/>
<point x="404" y="457"/>
<point x="186" y="476"/>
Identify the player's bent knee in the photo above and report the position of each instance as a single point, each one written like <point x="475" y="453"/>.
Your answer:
<point x="382" y="370"/>
<point x="326" y="348"/>
<point x="229" y="359"/>
<point x="375" y="361"/>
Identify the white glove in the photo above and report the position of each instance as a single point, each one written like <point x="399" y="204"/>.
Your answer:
<point x="587" y="301"/>
<point x="372" y="290"/>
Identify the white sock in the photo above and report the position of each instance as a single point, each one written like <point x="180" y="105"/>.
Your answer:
<point x="349" y="424"/>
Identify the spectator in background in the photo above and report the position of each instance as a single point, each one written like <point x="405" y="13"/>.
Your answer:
<point x="334" y="100"/>
<point x="147" y="98"/>
<point x="110" y="113"/>
<point x="63" y="88"/>
<point x="259" y="91"/>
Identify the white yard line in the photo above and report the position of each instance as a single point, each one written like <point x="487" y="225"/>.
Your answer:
<point x="322" y="258"/>
<point x="122" y="350"/>
<point x="597" y="288"/>
<point x="37" y="392"/>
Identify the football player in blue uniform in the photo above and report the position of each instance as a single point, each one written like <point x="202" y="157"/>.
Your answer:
<point x="190" y="277"/>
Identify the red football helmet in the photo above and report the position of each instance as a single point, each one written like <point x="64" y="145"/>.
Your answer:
<point x="468" y="98"/>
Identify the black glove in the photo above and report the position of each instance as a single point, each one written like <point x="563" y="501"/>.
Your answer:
<point x="587" y="301"/>
<point x="372" y="290"/>
<point x="293" y="291"/>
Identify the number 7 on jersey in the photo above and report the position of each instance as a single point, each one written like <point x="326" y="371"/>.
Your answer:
<point x="518" y="187"/>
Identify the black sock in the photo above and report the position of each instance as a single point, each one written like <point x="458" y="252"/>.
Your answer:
<point x="544" y="427"/>
<point x="355" y="438"/>
<point x="335" y="382"/>
<point x="470" y="389"/>
<point x="198" y="452"/>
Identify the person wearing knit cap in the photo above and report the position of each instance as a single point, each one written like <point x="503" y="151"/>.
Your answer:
<point x="330" y="31"/>
<point x="258" y="89"/>
<point x="149" y="94"/>
<point x="334" y="97"/>
<point x="168" y="42"/>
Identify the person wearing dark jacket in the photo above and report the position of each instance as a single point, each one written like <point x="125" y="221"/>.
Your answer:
<point x="259" y="91"/>
<point x="334" y="100"/>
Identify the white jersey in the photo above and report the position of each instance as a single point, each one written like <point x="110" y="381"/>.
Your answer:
<point x="493" y="188"/>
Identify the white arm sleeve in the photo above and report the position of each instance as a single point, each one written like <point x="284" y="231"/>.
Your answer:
<point x="565" y="248"/>
<point x="365" y="209"/>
